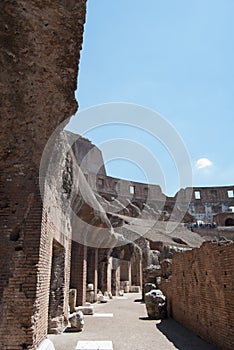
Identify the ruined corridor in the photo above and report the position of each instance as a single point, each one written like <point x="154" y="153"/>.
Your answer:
<point x="123" y="324"/>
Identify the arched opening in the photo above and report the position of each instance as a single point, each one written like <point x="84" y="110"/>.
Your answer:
<point x="229" y="222"/>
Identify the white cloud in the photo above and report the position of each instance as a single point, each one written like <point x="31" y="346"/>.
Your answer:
<point x="203" y="163"/>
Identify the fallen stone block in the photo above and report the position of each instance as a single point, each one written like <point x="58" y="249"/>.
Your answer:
<point x="72" y="300"/>
<point x="103" y="299"/>
<point x="57" y="325"/>
<point x="99" y="294"/>
<point x="90" y="296"/>
<point x="148" y="287"/>
<point x="125" y="286"/>
<point x="86" y="310"/>
<point x="155" y="303"/>
<point x="76" y="321"/>
<point x="121" y="293"/>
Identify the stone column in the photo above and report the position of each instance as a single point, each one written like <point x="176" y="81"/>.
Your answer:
<point x="78" y="279"/>
<point x="92" y="269"/>
<point x="136" y="272"/>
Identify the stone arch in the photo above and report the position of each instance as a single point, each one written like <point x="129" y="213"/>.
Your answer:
<point x="229" y="222"/>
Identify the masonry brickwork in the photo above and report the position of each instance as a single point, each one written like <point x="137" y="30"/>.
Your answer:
<point x="79" y="271"/>
<point x="41" y="41"/>
<point x="206" y="202"/>
<point x="200" y="292"/>
<point x="39" y="61"/>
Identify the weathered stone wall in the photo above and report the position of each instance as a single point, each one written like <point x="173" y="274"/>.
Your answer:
<point x="88" y="156"/>
<point x="209" y="201"/>
<point x="215" y="233"/>
<point x="40" y="45"/>
<point x="201" y="292"/>
<point x="199" y="203"/>
<point x="224" y="219"/>
<point x="121" y="188"/>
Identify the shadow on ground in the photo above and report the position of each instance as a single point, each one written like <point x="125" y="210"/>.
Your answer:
<point x="181" y="337"/>
<point x="145" y="318"/>
<point x="139" y="301"/>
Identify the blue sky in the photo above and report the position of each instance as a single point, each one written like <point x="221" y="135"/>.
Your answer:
<point x="174" y="57"/>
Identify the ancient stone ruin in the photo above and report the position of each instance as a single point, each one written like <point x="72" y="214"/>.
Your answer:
<point x="70" y="234"/>
<point x="156" y="304"/>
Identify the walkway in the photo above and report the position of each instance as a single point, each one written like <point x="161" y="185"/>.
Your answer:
<point x="122" y="324"/>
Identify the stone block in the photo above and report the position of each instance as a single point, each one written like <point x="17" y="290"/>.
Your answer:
<point x="99" y="294"/>
<point x="103" y="299"/>
<point x="155" y="303"/>
<point x="76" y="321"/>
<point x="125" y="285"/>
<point x="72" y="300"/>
<point x="86" y="310"/>
<point x="135" y="289"/>
<point x="148" y="287"/>
<point x="90" y="287"/>
<point x="90" y="296"/>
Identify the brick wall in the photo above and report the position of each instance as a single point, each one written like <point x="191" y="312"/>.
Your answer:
<point x="136" y="270"/>
<point x="41" y="42"/>
<point x="201" y="292"/>
<point x="104" y="270"/>
<point x="78" y="278"/>
<point x="19" y="255"/>
<point x="224" y="219"/>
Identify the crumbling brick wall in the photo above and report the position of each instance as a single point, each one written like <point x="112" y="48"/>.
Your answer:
<point x="40" y="45"/>
<point x="201" y="292"/>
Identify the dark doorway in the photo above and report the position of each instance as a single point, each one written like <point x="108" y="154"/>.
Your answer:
<point x="229" y="222"/>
